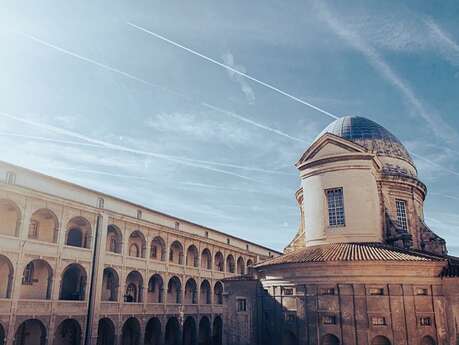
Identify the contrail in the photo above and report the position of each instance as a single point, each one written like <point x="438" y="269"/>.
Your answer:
<point x="253" y="123"/>
<point x="122" y="148"/>
<point x="199" y="161"/>
<point x="99" y="64"/>
<point x="435" y="164"/>
<point x="146" y="82"/>
<point x="245" y="75"/>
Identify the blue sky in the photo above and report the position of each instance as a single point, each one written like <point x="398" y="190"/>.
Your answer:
<point x="103" y="104"/>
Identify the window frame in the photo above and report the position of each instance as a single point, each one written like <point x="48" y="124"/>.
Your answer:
<point x="335" y="207"/>
<point x="402" y="214"/>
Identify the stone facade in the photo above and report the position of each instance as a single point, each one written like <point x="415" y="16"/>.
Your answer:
<point x="77" y="265"/>
<point x="364" y="268"/>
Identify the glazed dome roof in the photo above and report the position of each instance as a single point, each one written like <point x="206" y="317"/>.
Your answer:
<point x="368" y="134"/>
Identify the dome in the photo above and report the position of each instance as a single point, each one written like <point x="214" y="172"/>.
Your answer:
<point x="370" y="135"/>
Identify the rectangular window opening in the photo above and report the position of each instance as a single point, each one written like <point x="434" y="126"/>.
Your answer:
<point x="401" y="214"/>
<point x="241" y="304"/>
<point x="335" y="203"/>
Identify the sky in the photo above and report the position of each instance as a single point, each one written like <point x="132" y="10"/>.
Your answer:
<point x="93" y="93"/>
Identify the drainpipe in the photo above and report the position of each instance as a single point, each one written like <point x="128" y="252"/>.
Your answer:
<point x="92" y="293"/>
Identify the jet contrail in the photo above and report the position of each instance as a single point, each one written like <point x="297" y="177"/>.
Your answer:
<point x="245" y="75"/>
<point x="146" y="82"/>
<point x="199" y="161"/>
<point x="122" y="148"/>
<point x="99" y="64"/>
<point x="253" y="123"/>
<point x="435" y="164"/>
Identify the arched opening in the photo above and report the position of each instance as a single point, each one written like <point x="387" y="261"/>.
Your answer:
<point x="153" y="332"/>
<point x="79" y="233"/>
<point x="192" y="256"/>
<point x="136" y="244"/>
<point x="110" y="285"/>
<point x="204" y="331"/>
<point x="249" y="264"/>
<point x="174" y="291"/>
<point x="30" y="332"/>
<point x="7" y="273"/>
<point x="230" y="264"/>
<point x="330" y="339"/>
<point x="191" y="292"/>
<point x="205" y="296"/>
<point x="427" y="340"/>
<point x="73" y="283"/>
<point x="380" y="340"/>
<point x="43" y="226"/>
<point x="158" y="249"/>
<point x="206" y="259"/>
<point x="11" y="218"/>
<point x="176" y="253"/>
<point x="155" y="289"/>
<point x="134" y="288"/>
<point x="68" y="333"/>
<point x="114" y="240"/>
<point x="105" y="332"/>
<point x="37" y="280"/>
<point x="219" y="262"/>
<point x="218" y="293"/>
<point x="189" y="331"/>
<point x="240" y="266"/>
<point x="289" y="338"/>
<point x="172" y="332"/>
<point x="130" y="334"/>
<point x="217" y="334"/>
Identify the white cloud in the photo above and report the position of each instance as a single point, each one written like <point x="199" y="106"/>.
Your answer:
<point x="228" y="59"/>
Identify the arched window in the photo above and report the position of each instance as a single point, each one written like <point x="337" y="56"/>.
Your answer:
<point x="174" y="291"/>
<point x="114" y="239"/>
<point x="219" y="261"/>
<point x="10" y="216"/>
<point x="110" y="284"/>
<point x="330" y="339"/>
<point x="380" y="340"/>
<point x="105" y="332"/>
<point x="27" y="278"/>
<point x="158" y="249"/>
<point x="218" y="293"/>
<point x="137" y="244"/>
<point x="36" y="280"/>
<point x="428" y="340"/>
<point x="134" y="288"/>
<point x="240" y="266"/>
<point x="73" y="283"/>
<point x="155" y="289"/>
<point x="205" y="296"/>
<point x="68" y="332"/>
<point x="176" y="253"/>
<point x="79" y="233"/>
<point x="43" y="226"/>
<point x="230" y="266"/>
<point x="6" y="272"/>
<point x="192" y="257"/>
<point x="134" y="250"/>
<point x="206" y="259"/>
<point x="190" y="292"/>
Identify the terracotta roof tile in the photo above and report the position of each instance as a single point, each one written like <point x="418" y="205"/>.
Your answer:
<point x="350" y="252"/>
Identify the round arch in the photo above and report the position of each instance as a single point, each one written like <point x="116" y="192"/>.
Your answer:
<point x="174" y="290"/>
<point x="114" y="242"/>
<point x="206" y="259"/>
<point x="192" y="256"/>
<point x="380" y="340"/>
<point x="191" y="291"/>
<point x="428" y="340"/>
<point x="330" y="339"/>
<point x="172" y="336"/>
<point x="240" y="265"/>
<point x="204" y="337"/>
<point x="219" y="262"/>
<point x="136" y="244"/>
<point x="134" y="287"/>
<point x="189" y="331"/>
<point x="44" y="226"/>
<point x="37" y="280"/>
<point x="78" y="233"/>
<point x="155" y="289"/>
<point x="30" y="332"/>
<point x="176" y="253"/>
<point x="110" y="285"/>
<point x="230" y="264"/>
<point x="158" y="249"/>
<point x="130" y="333"/>
<point x="205" y="292"/>
<point x="105" y="332"/>
<point x="2" y="334"/>
<point x="10" y="214"/>
<point x="217" y="331"/>
<point x="73" y="283"/>
<point x="68" y="333"/>
<point x="218" y="293"/>
<point x="153" y="332"/>
<point x="6" y="271"/>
